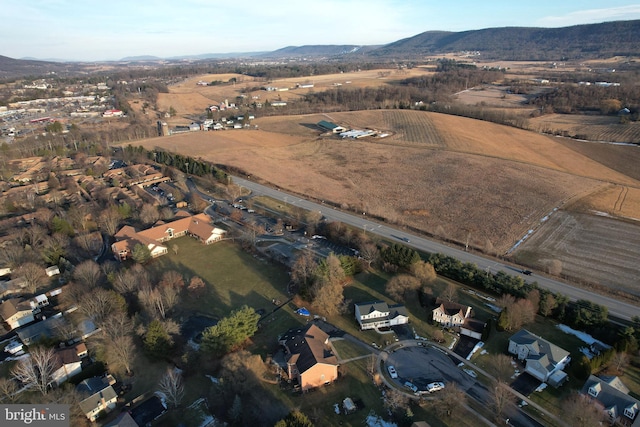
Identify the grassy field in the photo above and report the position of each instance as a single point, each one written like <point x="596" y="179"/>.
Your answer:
<point x="233" y="277"/>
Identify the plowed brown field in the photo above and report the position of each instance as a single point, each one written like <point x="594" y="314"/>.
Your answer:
<point x="443" y="174"/>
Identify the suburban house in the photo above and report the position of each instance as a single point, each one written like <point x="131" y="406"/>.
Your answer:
<point x="612" y="397"/>
<point x="147" y="411"/>
<point x="309" y="360"/>
<point x="378" y="314"/>
<point x="544" y="361"/>
<point x="450" y="314"/>
<point x="198" y="226"/>
<point x="123" y="420"/>
<point x="331" y="127"/>
<point x="67" y="363"/>
<point x="48" y="328"/>
<point x="98" y="394"/>
<point x="16" y="312"/>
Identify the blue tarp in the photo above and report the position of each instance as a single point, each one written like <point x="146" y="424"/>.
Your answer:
<point x="303" y="312"/>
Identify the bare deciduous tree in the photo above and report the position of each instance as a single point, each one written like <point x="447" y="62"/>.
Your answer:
<point x="33" y="275"/>
<point x="501" y="398"/>
<point x="499" y="365"/>
<point x="548" y="304"/>
<point x="109" y="220"/>
<point x="36" y="370"/>
<point x="395" y="399"/>
<point x="424" y="272"/>
<point x="303" y="269"/>
<point x="579" y="411"/>
<point x="172" y="279"/>
<point x="172" y="387"/>
<point x="98" y="304"/>
<point x="369" y="252"/>
<point x="399" y="286"/>
<point x="149" y="214"/>
<point x="449" y="401"/>
<point x="619" y="361"/>
<point x="8" y="390"/>
<point x="450" y="292"/>
<point x="88" y="274"/>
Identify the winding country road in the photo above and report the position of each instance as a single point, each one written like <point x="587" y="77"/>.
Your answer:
<point x="617" y="309"/>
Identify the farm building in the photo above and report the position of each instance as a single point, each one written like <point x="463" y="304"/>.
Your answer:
<point x="332" y="127"/>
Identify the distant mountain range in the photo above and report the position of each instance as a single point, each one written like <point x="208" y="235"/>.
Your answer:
<point x="618" y="38"/>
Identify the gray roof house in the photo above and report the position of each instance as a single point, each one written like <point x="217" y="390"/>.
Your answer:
<point x="99" y="396"/>
<point x="609" y="395"/>
<point x="379" y="314"/>
<point x="544" y="361"/>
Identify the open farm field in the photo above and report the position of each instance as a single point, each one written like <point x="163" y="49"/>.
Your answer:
<point x="622" y="158"/>
<point x="614" y="200"/>
<point x="490" y="96"/>
<point x="488" y="182"/>
<point x="593" y="128"/>
<point x="189" y="98"/>
<point x="590" y="248"/>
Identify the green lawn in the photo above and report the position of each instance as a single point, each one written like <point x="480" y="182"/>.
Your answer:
<point x="234" y="278"/>
<point x="347" y="350"/>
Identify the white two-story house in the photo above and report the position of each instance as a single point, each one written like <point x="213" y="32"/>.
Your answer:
<point x="378" y="314"/>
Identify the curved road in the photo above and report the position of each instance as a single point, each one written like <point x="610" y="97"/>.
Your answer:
<point x="616" y="308"/>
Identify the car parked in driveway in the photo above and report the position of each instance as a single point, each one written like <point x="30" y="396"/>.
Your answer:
<point x="392" y="371"/>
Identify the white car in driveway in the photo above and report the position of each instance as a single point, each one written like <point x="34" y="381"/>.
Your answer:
<point x="392" y="371"/>
<point x="436" y="386"/>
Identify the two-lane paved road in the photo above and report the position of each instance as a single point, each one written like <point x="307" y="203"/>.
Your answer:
<point x="616" y="308"/>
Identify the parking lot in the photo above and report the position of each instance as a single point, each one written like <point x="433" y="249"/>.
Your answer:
<point x="424" y="364"/>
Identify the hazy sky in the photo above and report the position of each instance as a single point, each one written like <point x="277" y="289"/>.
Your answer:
<point x="103" y="30"/>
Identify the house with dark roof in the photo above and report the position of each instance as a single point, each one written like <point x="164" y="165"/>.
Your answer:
<point x="16" y="312"/>
<point x="66" y="363"/>
<point x="198" y="226"/>
<point x="449" y="313"/>
<point x="123" y="420"/>
<point x="379" y="314"/>
<point x="147" y="411"/>
<point x="611" y="396"/>
<point x="98" y="396"/>
<point x="543" y="360"/>
<point x="310" y="362"/>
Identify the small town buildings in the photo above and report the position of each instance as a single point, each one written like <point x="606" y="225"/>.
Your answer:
<point x="379" y="314"/>
<point x="543" y="360"/>
<point x="99" y="396"/>
<point x="611" y="396"/>
<point x="331" y="127"/>
<point x="310" y="363"/>
<point x="198" y="226"/>
<point x="449" y="313"/>
<point x="16" y="312"/>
